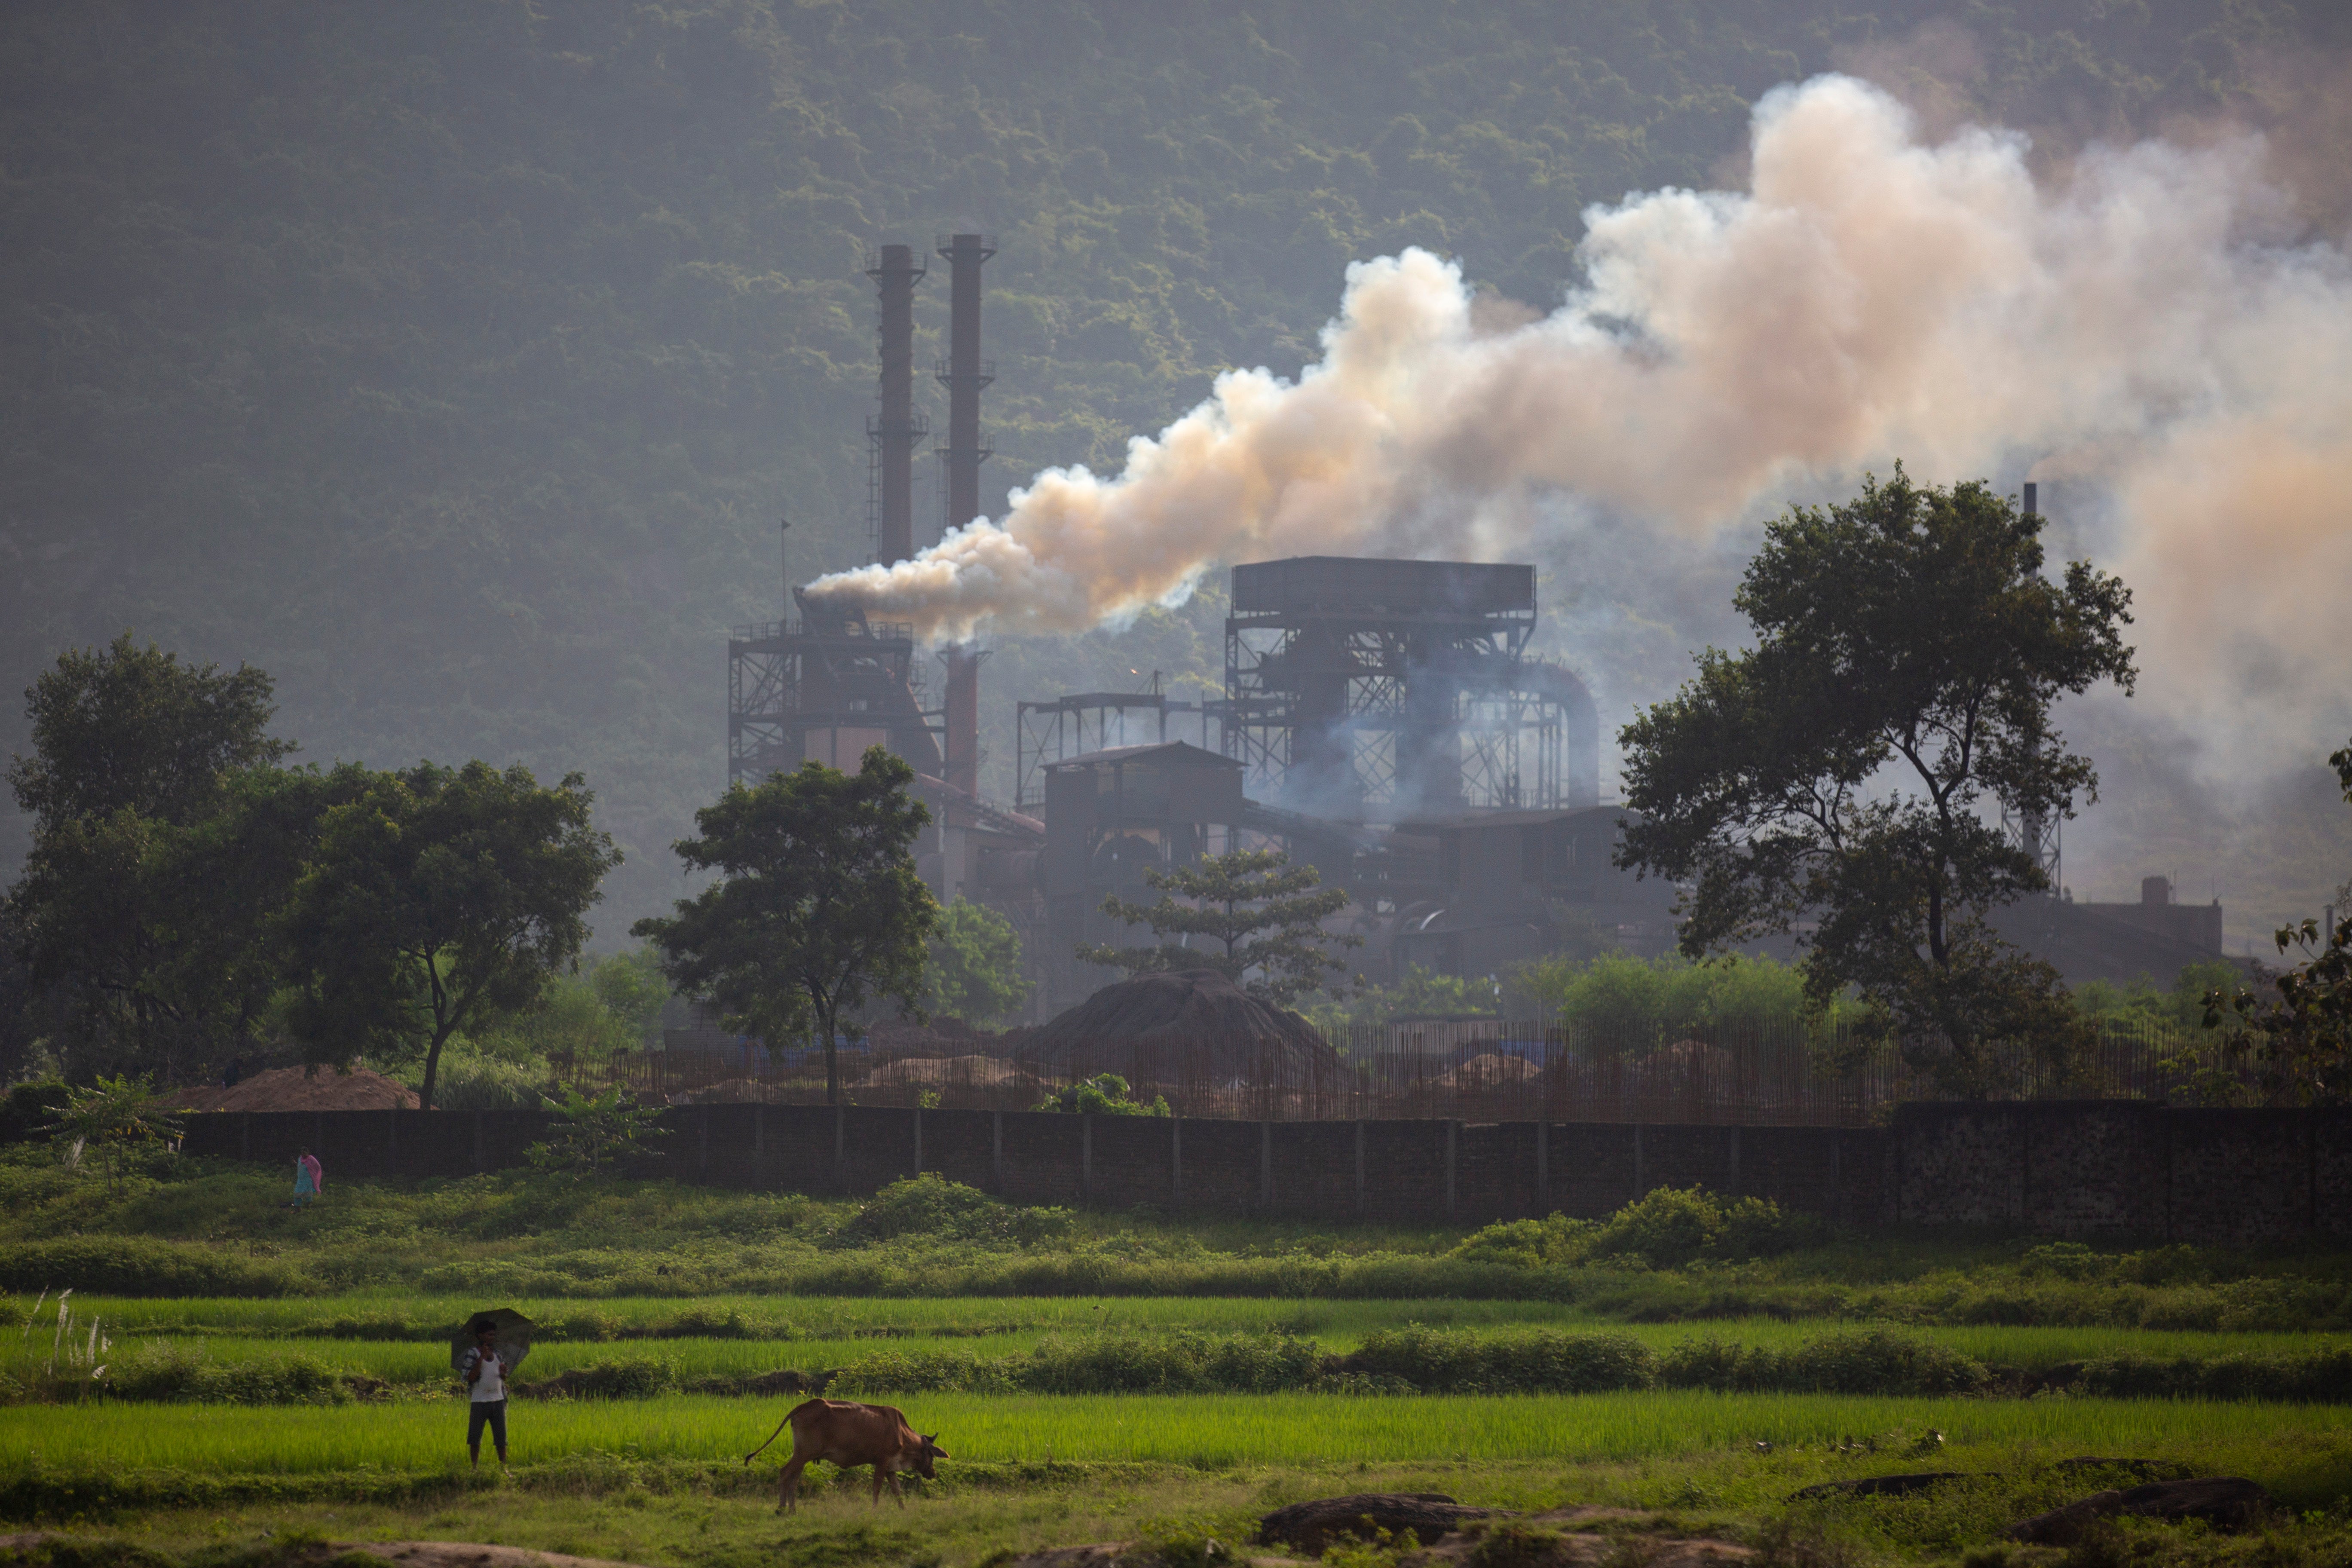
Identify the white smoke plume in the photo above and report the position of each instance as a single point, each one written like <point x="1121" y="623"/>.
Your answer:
<point x="2140" y="326"/>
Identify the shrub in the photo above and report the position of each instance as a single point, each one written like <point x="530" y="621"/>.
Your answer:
<point x="168" y="1372"/>
<point x="932" y="1206"/>
<point x="141" y="1266"/>
<point x="1104" y="1094"/>
<point x="1666" y="1229"/>
<point x="1454" y="1360"/>
<point x="1546" y="1243"/>
<point x="1871" y="1361"/>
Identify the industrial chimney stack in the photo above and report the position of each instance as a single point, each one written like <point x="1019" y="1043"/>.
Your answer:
<point x="896" y="431"/>
<point x="964" y="374"/>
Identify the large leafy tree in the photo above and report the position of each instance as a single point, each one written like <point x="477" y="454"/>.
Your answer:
<point x="818" y="909"/>
<point x="165" y="837"/>
<point x="1258" y="919"/>
<point x="975" y="972"/>
<point x="1834" y="779"/>
<point x="435" y="899"/>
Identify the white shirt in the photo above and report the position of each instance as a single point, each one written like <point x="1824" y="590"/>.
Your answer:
<point x="492" y="1384"/>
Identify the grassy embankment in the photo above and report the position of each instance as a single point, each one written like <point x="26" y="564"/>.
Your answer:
<point x="963" y="1311"/>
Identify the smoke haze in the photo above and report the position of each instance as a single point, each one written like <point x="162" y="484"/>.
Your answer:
<point x="2140" y="328"/>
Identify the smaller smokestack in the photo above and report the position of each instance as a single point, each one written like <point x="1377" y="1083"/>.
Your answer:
<point x="960" y="766"/>
<point x="2030" y="509"/>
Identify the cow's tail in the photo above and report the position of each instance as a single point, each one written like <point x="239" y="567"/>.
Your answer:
<point x="787" y="1421"/>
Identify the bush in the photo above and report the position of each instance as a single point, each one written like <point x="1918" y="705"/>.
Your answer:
<point x="1454" y="1360"/>
<point x="474" y="1080"/>
<point x="141" y="1266"/>
<point x="1871" y="1361"/>
<point x="1104" y="1094"/>
<point x="169" y="1373"/>
<point x="1666" y="1229"/>
<point x="932" y="1206"/>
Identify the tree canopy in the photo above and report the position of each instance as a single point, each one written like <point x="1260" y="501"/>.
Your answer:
<point x="438" y="897"/>
<point x="975" y="965"/>
<point x="1260" y="920"/>
<point x="818" y="909"/>
<point x="1833" y="781"/>
<point x="165" y="837"/>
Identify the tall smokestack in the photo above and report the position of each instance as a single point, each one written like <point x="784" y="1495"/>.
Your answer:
<point x="894" y="431"/>
<point x="965" y="373"/>
<point x="2030" y="508"/>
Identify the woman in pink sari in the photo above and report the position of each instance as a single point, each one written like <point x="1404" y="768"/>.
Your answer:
<point x="309" y="1178"/>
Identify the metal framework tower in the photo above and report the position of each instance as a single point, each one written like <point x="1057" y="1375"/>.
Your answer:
<point x="825" y="687"/>
<point x="1384" y="689"/>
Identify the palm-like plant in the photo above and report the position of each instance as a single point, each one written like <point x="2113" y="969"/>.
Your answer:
<point x="111" y="1116"/>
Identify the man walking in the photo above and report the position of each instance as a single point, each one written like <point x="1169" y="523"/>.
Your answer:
<point x="486" y="1386"/>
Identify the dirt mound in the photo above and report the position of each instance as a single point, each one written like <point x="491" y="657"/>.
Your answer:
<point x="1192" y="1026"/>
<point x="302" y="1089"/>
<point x="892" y="1037"/>
<point x="1490" y="1069"/>
<point x="974" y="1071"/>
<point x="725" y="1091"/>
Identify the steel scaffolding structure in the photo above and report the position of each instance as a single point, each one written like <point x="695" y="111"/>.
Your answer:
<point x="1375" y="689"/>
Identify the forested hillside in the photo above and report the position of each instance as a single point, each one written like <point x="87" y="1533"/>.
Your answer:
<point x="454" y="362"/>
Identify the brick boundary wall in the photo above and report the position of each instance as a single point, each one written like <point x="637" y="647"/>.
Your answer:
<point x="2071" y="1168"/>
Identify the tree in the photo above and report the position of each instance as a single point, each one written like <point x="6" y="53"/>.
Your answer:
<point x="133" y="729"/>
<point x="1908" y="647"/>
<point x="633" y="989"/>
<point x="818" y="909"/>
<point x="111" y="1116"/>
<point x="2296" y="1035"/>
<point x="165" y="838"/>
<point x="436" y="898"/>
<point x="1261" y="915"/>
<point x="591" y="1134"/>
<point x="975" y="973"/>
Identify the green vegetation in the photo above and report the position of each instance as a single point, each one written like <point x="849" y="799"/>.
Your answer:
<point x="1259" y="918"/>
<point x="1104" y="1094"/>
<point x="1908" y="634"/>
<point x="975" y="965"/>
<point x="591" y="1135"/>
<point x="817" y="909"/>
<point x="433" y="898"/>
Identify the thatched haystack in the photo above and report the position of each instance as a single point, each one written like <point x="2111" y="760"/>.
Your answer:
<point x="1190" y="1025"/>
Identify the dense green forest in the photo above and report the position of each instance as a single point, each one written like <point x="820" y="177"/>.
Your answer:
<point x="455" y="363"/>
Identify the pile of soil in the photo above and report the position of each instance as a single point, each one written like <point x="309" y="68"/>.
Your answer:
<point x="936" y="1072"/>
<point x="891" y="1038"/>
<point x="1491" y="1070"/>
<point x="1190" y="1025"/>
<point x="302" y="1089"/>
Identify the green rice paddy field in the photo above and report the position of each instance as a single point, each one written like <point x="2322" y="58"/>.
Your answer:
<point x="402" y="1341"/>
<point x="2298" y="1446"/>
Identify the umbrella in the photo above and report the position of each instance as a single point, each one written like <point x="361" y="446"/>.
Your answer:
<point x="513" y="1341"/>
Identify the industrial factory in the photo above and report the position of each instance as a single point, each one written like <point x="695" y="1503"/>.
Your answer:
<point x="1382" y="719"/>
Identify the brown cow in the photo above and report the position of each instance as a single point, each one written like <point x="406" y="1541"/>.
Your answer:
<point x="846" y="1434"/>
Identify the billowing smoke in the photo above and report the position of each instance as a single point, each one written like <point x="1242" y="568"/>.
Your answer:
<point x="2139" y="328"/>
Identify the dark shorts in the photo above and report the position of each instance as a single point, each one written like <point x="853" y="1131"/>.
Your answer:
<point x="493" y="1412"/>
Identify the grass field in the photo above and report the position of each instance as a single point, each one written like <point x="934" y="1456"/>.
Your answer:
<point x="717" y="1287"/>
<point x="2306" y="1449"/>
